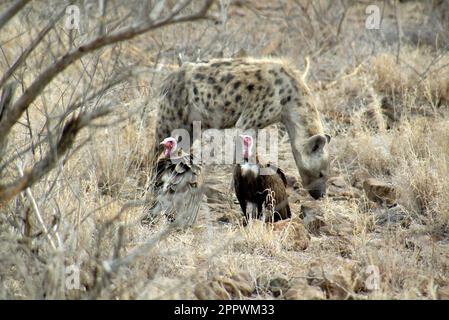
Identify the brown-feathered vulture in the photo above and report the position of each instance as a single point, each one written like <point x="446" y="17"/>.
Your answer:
<point x="259" y="190"/>
<point x="177" y="187"/>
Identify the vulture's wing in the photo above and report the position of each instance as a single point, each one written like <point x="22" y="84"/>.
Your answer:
<point x="178" y="191"/>
<point x="277" y="183"/>
<point x="237" y="176"/>
<point x="279" y="172"/>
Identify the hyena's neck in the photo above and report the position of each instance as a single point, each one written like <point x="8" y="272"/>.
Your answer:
<point x="301" y="117"/>
<point x="302" y="122"/>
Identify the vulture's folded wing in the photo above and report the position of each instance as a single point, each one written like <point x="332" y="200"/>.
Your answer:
<point x="179" y="191"/>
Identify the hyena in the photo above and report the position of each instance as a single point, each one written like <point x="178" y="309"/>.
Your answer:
<point x="249" y="93"/>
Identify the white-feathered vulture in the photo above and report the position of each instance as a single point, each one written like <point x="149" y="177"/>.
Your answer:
<point x="260" y="190"/>
<point x="177" y="187"/>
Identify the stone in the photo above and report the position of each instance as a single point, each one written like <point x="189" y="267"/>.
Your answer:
<point x="238" y="284"/>
<point x="341" y="282"/>
<point x="292" y="182"/>
<point x="226" y="287"/>
<point x="230" y="217"/>
<point x="210" y="291"/>
<point x="379" y="191"/>
<point x="294" y="234"/>
<point x="278" y="286"/>
<point x="300" y="290"/>
<point x="338" y="181"/>
<point x="214" y="195"/>
<point x="392" y="216"/>
<point x="312" y="217"/>
<point x="443" y="293"/>
<point x="357" y="178"/>
<point x="339" y="188"/>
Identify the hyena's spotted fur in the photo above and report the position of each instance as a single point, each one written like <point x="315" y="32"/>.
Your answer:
<point x="248" y="93"/>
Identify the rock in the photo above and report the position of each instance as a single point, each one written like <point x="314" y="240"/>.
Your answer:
<point x="225" y="287"/>
<point x="294" y="235"/>
<point x="224" y="219"/>
<point x="292" y="182"/>
<point x="239" y="284"/>
<point x="210" y="291"/>
<point x="263" y="282"/>
<point x="338" y="187"/>
<point x="379" y="191"/>
<point x="443" y="293"/>
<point x="214" y="196"/>
<point x="312" y="217"/>
<point x="241" y="53"/>
<point x="300" y="290"/>
<point x="339" y="244"/>
<point x="231" y="217"/>
<point x="392" y="216"/>
<point x="338" y="181"/>
<point x="358" y="176"/>
<point x="339" y="283"/>
<point x="278" y="286"/>
<point x="393" y="114"/>
<point x="335" y="223"/>
<point x="374" y="118"/>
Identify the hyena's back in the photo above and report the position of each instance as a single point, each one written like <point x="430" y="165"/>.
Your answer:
<point x="221" y="91"/>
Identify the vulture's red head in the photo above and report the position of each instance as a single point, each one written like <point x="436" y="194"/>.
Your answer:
<point x="170" y="145"/>
<point x="247" y="145"/>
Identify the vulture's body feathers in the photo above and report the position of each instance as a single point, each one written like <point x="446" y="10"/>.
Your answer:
<point x="258" y="190"/>
<point x="177" y="190"/>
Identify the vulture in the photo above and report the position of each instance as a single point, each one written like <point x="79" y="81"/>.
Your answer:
<point x="176" y="188"/>
<point x="259" y="190"/>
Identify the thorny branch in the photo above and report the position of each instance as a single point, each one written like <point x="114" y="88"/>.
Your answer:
<point x="12" y="111"/>
<point x="11" y="11"/>
<point x="12" y="116"/>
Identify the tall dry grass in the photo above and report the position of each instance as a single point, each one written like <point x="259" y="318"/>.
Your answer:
<point x="388" y="120"/>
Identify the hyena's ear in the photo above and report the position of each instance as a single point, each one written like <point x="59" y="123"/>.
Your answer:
<point x="328" y="138"/>
<point x="316" y="143"/>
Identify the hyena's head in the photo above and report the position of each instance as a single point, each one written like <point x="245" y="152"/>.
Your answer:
<point x="315" y="165"/>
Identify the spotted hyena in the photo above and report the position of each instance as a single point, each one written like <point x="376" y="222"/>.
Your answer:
<point x="248" y="93"/>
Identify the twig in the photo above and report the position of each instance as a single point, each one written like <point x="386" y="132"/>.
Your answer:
<point x="11" y="11"/>
<point x="127" y="33"/>
<point x="30" y="48"/>
<point x="36" y="210"/>
<point x="398" y="30"/>
<point x="43" y="167"/>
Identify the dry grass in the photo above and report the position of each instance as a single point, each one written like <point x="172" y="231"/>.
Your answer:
<point x="387" y="122"/>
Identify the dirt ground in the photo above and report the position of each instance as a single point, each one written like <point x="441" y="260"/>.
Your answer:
<point x="382" y="231"/>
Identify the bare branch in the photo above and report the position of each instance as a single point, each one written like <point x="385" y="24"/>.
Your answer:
<point x="29" y="49"/>
<point x="11" y="11"/>
<point x="5" y="100"/>
<point x="12" y="115"/>
<point x="71" y="108"/>
<point x="37" y="211"/>
<point x="43" y="167"/>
